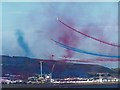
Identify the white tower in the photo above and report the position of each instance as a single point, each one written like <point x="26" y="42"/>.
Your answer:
<point x="41" y="68"/>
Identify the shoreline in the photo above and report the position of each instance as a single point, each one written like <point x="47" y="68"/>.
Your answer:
<point x="66" y="85"/>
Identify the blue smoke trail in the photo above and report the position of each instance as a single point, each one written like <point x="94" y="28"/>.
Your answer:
<point x="82" y="51"/>
<point x="22" y="43"/>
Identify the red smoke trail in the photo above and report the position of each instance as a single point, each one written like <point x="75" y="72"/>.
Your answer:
<point x="65" y="36"/>
<point x="69" y="38"/>
<point x="83" y="61"/>
<point x="88" y="35"/>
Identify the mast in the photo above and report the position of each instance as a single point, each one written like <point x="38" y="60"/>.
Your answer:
<point x="41" y="68"/>
<point x="52" y="70"/>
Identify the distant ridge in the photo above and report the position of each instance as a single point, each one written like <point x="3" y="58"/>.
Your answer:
<point x="28" y="67"/>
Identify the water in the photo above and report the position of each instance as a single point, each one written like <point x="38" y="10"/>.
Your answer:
<point x="94" y="86"/>
<point x="60" y="86"/>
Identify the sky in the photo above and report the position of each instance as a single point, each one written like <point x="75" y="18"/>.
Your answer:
<point x="27" y="29"/>
<point x="59" y="0"/>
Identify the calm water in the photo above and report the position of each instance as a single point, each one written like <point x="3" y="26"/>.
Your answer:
<point x="94" y="86"/>
<point x="60" y="86"/>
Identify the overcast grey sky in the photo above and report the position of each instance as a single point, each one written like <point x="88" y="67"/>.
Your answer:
<point x="27" y="29"/>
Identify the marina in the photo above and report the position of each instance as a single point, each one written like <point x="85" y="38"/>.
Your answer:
<point x="47" y="81"/>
